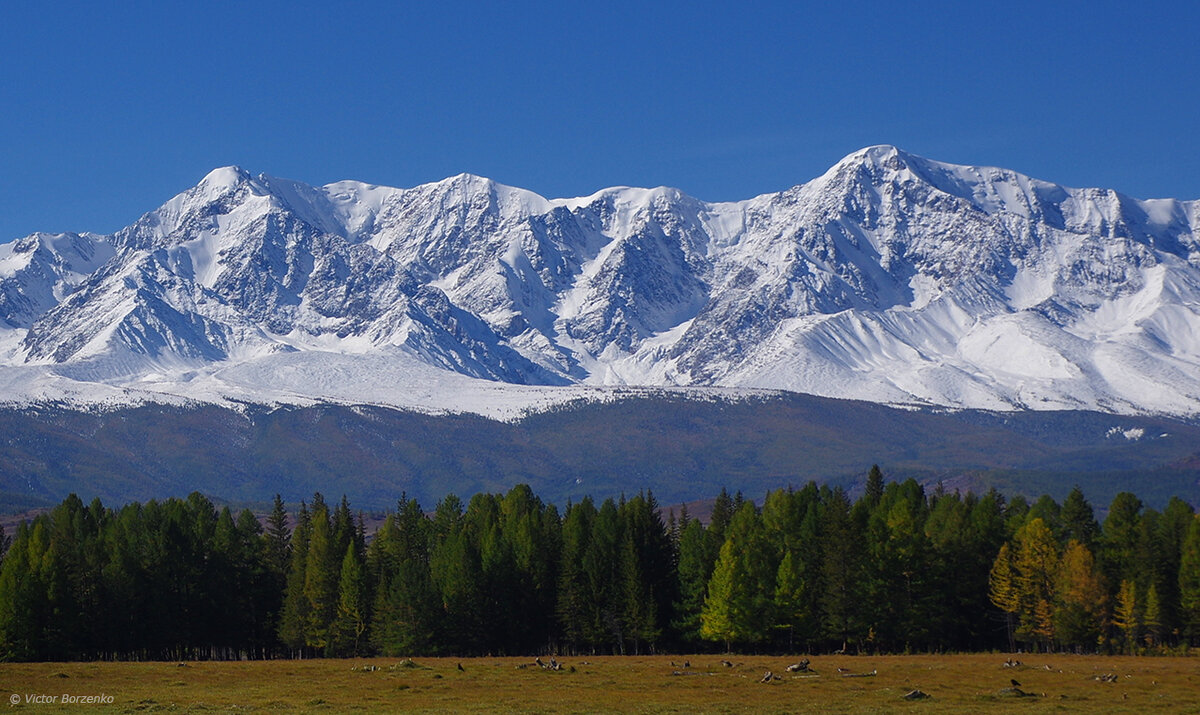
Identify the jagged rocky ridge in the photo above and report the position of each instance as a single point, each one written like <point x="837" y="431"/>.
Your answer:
<point x="891" y="278"/>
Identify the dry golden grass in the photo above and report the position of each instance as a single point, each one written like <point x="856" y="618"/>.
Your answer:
<point x="957" y="684"/>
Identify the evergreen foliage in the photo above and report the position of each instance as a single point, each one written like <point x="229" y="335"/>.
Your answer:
<point x="896" y="570"/>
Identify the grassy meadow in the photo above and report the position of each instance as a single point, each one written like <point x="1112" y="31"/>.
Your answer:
<point x="956" y="684"/>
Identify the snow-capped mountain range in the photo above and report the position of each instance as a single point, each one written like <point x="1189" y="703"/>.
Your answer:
<point x="890" y="278"/>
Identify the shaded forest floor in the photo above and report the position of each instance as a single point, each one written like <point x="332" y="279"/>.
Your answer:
<point x="651" y="684"/>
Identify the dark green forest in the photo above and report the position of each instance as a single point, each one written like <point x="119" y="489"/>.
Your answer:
<point x="897" y="570"/>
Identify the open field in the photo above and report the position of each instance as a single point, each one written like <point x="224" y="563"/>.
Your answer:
<point x="958" y="683"/>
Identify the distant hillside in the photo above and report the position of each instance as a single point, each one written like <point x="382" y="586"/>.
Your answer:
<point x="683" y="449"/>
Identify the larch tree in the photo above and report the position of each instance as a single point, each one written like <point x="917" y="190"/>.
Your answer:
<point x="737" y="607"/>
<point x="1081" y="612"/>
<point x="348" y="632"/>
<point x="1036" y="563"/>
<point x="1126" y="617"/>
<point x="1003" y="590"/>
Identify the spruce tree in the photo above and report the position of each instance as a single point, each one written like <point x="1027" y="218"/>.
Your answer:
<point x="841" y="597"/>
<point x="1078" y="519"/>
<point x="574" y="598"/>
<point x="277" y="540"/>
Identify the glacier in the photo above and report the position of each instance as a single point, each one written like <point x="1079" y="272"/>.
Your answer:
<point x="890" y="278"/>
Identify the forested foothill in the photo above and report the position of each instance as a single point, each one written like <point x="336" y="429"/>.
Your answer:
<point x="809" y="570"/>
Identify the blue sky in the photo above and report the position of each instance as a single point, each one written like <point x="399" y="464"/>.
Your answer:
<point x="107" y="110"/>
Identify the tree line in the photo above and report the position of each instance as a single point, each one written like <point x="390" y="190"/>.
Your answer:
<point x="896" y="570"/>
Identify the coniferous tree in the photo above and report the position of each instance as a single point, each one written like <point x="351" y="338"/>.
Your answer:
<point x="1189" y="582"/>
<point x="1035" y="562"/>
<point x="722" y="513"/>
<point x="602" y="566"/>
<point x="1172" y="532"/>
<point x="23" y="605"/>
<point x="737" y="607"/>
<point x="648" y="560"/>
<point x="574" y="605"/>
<point x="1015" y="515"/>
<point x="1119" y="539"/>
<point x="1126" y="616"/>
<point x="1048" y="510"/>
<point x="842" y="617"/>
<point x="1081" y="611"/>
<point x="347" y="634"/>
<point x="320" y="578"/>
<point x="1078" y="520"/>
<point x="277" y="540"/>
<point x="1003" y="590"/>
<point x="408" y="612"/>
<point x="954" y="574"/>
<point x="693" y="573"/>
<point x="294" y="612"/>
<point x="874" y="487"/>
<point x="1152" y="617"/>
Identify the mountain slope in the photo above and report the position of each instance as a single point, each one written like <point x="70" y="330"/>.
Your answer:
<point x="684" y="449"/>
<point x="891" y="278"/>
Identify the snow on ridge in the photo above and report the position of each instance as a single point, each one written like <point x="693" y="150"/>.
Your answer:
<point x="890" y="278"/>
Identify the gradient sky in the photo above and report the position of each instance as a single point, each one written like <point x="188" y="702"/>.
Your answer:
<point x="109" y="109"/>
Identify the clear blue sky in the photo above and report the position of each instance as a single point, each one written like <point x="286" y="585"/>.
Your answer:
<point x="108" y="109"/>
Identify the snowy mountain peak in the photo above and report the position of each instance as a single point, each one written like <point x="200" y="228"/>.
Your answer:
<point x="221" y="181"/>
<point x="890" y="278"/>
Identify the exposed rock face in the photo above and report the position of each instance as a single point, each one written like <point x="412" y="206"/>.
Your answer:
<point x="890" y="278"/>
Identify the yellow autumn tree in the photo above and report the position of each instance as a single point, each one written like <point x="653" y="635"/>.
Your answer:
<point x="1035" y="562"/>
<point x="1125" y="616"/>
<point x="1081" y="612"/>
<point x="1002" y="589"/>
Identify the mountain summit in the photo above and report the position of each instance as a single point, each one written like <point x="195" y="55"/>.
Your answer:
<point x="890" y="278"/>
